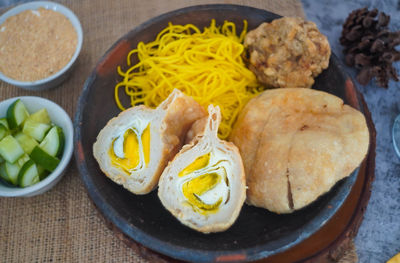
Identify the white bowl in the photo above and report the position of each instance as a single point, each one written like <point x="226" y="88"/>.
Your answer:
<point x="60" y="118"/>
<point x="55" y="79"/>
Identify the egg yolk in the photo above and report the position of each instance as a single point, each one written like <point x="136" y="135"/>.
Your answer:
<point x="146" y="144"/>
<point x="199" y="163"/>
<point x="133" y="149"/>
<point x="199" y="185"/>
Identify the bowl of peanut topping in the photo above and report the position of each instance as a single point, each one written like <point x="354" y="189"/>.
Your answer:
<point x="39" y="44"/>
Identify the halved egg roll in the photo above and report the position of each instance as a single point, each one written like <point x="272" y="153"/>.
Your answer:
<point x="134" y="147"/>
<point x="204" y="185"/>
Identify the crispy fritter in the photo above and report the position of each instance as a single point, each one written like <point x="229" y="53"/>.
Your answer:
<point x="296" y="143"/>
<point x="287" y="53"/>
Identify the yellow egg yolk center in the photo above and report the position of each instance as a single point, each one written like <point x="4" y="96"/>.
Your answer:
<point x="194" y="188"/>
<point x="136" y="151"/>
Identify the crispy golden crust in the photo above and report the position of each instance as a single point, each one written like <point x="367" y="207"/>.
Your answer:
<point x="168" y="123"/>
<point x="205" y="141"/>
<point x="287" y="53"/>
<point x="301" y="143"/>
<point x="196" y="129"/>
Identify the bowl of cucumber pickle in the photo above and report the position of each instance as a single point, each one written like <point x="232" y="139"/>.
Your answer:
<point x="36" y="144"/>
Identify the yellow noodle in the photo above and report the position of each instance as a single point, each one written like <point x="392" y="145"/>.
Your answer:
<point x="206" y="65"/>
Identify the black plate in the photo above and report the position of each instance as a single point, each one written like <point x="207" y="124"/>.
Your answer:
<point x="257" y="233"/>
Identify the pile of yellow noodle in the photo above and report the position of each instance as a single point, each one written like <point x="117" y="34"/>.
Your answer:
<point x="205" y="65"/>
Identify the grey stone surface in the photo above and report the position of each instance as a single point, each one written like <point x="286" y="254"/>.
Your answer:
<point x="378" y="238"/>
<point x="5" y="3"/>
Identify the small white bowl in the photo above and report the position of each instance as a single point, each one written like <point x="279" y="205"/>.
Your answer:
<point x="57" y="78"/>
<point x="59" y="117"/>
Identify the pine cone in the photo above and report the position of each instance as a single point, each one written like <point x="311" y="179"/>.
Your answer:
<point x="370" y="46"/>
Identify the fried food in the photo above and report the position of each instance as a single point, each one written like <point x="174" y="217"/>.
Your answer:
<point x="287" y="53"/>
<point x="204" y="185"/>
<point x="205" y="63"/>
<point x="134" y="148"/>
<point x="296" y="144"/>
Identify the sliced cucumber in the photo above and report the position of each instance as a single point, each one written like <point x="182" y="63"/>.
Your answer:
<point x="27" y="142"/>
<point x="36" y="130"/>
<point x="42" y="172"/>
<point x="10" y="149"/>
<point x="16" y="114"/>
<point x="44" y="159"/>
<point x="3" y="131"/>
<point x="3" y="173"/>
<point x="12" y="169"/>
<point x="53" y="143"/>
<point x="28" y="175"/>
<point x="41" y="116"/>
<point x="4" y="122"/>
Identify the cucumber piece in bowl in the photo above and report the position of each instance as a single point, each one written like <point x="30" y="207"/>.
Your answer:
<point x="53" y="143"/>
<point x="3" y="131"/>
<point x="4" y="122"/>
<point x="28" y="175"/>
<point x="10" y="149"/>
<point x="12" y="169"/>
<point x="27" y="142"/>
<point x="3" y="174"/>
<point x="41" y="116"/>
<point x="16" y="114"/>
<point x="36" y="130"/>
<point x="42" y="158"/>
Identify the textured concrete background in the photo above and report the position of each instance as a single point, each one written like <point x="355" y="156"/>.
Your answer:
<point x="379" y="236"/>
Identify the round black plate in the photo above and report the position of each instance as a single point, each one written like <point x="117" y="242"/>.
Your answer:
<point x="257" y="233"/>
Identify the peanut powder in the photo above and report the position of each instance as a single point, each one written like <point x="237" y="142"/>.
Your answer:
<point x="35" y="44"/>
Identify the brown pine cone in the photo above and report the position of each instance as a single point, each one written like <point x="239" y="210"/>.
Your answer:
<point x="370" y="46"/>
